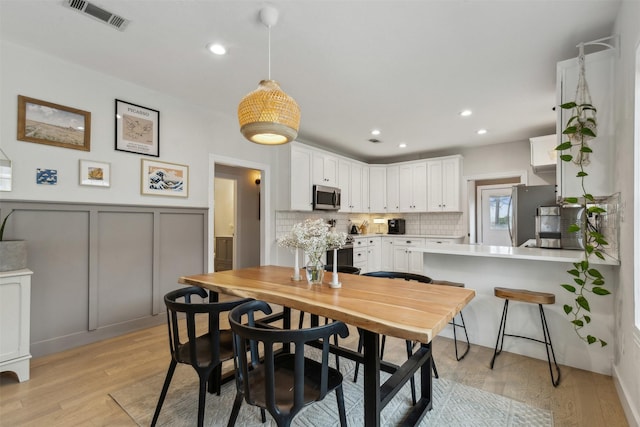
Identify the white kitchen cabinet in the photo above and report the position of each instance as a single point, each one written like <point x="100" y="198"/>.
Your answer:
<point x="413" y="187"/>
<point x="374" y="254"/>
<point x="15" y="317"/>
<point x="350" y="183"/>
<point x="377" y="189"/>
<point x="325" y="169"/>
<point x="365" y="188"/>
<point x="544" y="156"/>
<point x="443" y="184"/>
<point x="386" y="254"/>
<point x="600" y="71"/>
<point x="404" y="259"/>
<point x="301" y="185"/>
<point x="393" y="188"/>
<point x="366" y="253"/>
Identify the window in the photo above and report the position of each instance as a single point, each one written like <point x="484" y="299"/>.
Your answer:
<point x="499" y="212"/>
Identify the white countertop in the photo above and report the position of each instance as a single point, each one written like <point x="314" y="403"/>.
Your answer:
<point x="535" y="254"/>
<point x="413" y="236"/>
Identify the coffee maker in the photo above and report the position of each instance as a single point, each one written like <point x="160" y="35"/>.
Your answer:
<point x="396" y="226"/>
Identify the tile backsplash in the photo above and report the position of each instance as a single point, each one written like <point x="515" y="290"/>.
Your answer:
<point x="443" y="224"/>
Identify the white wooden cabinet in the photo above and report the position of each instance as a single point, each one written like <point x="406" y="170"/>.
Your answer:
<point x="365" y="188"/>
<point x="404" y="259"/>
<point x="443" y="184"/>
<point x="350" y="183"/>
<point x="377" y="189"/>
<point x="301" y="186"/>
<point x="386" y="254"/>
<point x="600" y="71"/>
<point x="393" y="188"/>
<point x="15" y="316"/>
<point x="413" y="187"/>
<point x="367" y="254"/>
<point x="325" y="169"/>
<point x="544" y="156"/>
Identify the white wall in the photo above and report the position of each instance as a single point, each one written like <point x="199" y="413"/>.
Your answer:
<point x="224" y="221"/>
<point x="187" y="132"/>
<point x="627" y="342"/>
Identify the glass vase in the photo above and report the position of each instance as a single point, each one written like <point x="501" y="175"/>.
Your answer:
<point x="314" y="270"/>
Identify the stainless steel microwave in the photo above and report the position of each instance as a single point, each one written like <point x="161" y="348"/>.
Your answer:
<point x="326" y="198"/>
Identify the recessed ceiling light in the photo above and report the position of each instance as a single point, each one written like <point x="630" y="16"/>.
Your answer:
<point x="481" y="131"/>
<point x="217" y="48"/>
<point x="375" y="132"/>
<point x="465" y="113"/>
<point x="402" y="145"/>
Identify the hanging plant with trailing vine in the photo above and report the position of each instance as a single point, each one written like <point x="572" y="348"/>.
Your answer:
<point x="587" y="280"/>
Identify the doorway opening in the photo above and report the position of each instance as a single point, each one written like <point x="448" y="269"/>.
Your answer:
<point x="236" y="222"/>
<point x="488" y="197"/>
<point x="493" y="219"/>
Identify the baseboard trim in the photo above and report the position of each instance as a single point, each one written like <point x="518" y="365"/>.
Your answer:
<point x="631" y="412"/>
<point x="55" y="345"/>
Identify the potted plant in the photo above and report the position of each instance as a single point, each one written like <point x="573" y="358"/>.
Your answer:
<point x="13" y="253"/>
<point x="587" y="280"/>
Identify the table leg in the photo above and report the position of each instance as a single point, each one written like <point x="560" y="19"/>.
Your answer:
<point x="372" y="405"/>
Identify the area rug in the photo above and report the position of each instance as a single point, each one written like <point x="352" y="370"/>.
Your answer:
<point x="454" y="404"/>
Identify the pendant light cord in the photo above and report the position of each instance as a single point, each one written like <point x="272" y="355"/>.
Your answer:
<point x="269" y="30"/>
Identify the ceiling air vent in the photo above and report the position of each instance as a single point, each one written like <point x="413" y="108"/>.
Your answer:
<point x="375" y="141"/>
<point x="98" y="13"/>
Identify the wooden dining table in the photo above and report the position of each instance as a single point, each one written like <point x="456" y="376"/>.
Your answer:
<point x="403" y="309"/>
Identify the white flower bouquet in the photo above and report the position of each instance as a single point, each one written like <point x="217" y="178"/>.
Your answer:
<point x="314" y="237"/>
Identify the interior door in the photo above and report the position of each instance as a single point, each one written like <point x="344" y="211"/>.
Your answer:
<point x="493" y="215"/>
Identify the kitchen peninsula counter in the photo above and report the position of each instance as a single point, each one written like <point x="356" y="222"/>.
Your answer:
<point x="483" y="268"/>
<point x="534" y="254"/>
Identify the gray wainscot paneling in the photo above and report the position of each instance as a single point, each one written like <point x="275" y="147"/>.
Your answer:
<point x="102" y="270"/>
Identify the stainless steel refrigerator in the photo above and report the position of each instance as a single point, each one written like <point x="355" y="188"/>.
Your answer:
<point x="525" y="199"/>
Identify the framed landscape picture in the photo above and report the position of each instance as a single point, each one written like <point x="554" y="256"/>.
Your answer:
<point x="53" y="124"/>
<point x="137" y="129"/>
<point x="96" y="174"/>
<point x="164" y="179"/>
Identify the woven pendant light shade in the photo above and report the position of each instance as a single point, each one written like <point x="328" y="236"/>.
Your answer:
<point x="268" y="115"/>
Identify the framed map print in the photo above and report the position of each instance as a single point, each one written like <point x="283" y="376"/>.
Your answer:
<point x="137" y="129"/>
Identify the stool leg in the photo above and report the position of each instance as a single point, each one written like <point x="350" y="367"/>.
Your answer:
<point x="548" y="345"/>
<point x="455" y="338"/>
<point x="503" y="322"/>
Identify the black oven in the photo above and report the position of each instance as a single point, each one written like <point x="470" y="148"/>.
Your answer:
<point x="345" y="254"/>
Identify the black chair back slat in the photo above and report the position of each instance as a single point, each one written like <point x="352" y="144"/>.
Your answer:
<point x="399" y="275"/>
<point x="279" y="367"/>
<point x="201" y="351"/>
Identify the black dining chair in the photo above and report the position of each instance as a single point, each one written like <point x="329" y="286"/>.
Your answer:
<point x="409" y="344"/>
<point x="195" y="339"/>
<point x="281" y="382"/>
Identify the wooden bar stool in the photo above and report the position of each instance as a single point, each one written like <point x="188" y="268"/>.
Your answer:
<point x="531" y="297"/>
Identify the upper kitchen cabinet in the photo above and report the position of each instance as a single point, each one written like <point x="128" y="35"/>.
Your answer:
<point x="300" y="181"/>
<point x="377" y="189"/>
<point x="325" y="169"/>
<point x="599" y="71"/>
<point x="413" y="187"/>
<point x="350" y="182"/>
<point x="393" y="188"/>
<point x="443" y="184"/>
<point x="544" y="157"/>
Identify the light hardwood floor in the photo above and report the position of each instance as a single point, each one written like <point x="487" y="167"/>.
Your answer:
<point x="72" y="388"/>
